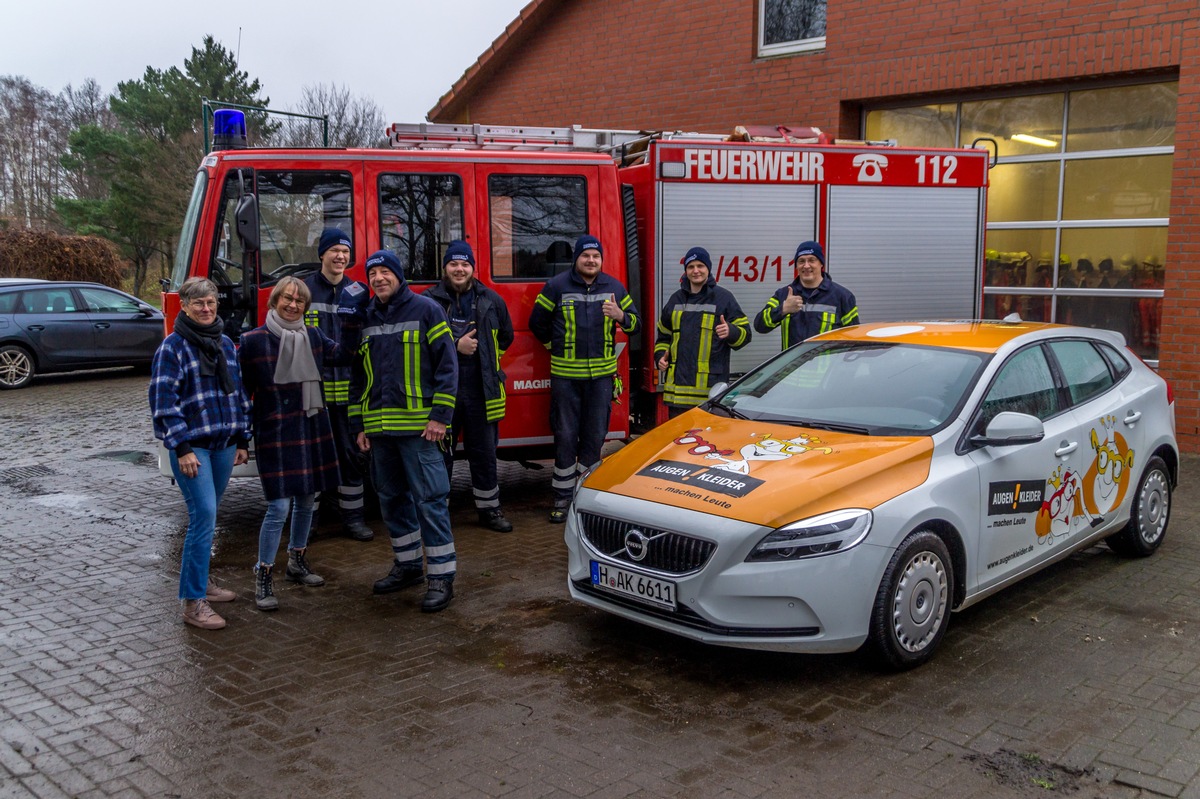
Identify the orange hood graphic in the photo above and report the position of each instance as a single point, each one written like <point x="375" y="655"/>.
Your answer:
<point x="762" y="473"/>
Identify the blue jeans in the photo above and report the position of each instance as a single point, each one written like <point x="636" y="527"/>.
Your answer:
<point x="272" y="525"/>
<point x="414" y="498"/>
<point x="202" y="494"/>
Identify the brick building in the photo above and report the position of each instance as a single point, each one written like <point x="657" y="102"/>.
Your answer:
<point x="1094" y="108"/>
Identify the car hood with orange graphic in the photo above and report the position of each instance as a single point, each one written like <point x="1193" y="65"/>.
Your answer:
<point x="762" y="473"/>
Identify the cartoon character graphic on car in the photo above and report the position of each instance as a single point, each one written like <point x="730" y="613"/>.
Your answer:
<point x="767" y="448"/>
<point x="1107" y="479"/>
<point x="1062" y="506"/>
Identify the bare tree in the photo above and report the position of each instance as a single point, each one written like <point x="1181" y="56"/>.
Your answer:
<point x="353" y="121"/>
<point x="33" y="136"/>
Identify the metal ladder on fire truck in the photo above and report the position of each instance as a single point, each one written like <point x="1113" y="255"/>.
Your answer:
<point x="621" y="144"/>
<point x="624" y="146"/>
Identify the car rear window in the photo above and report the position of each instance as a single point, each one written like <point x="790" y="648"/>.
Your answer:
<point x="1085" y="370"/>
<point x="8" y="301"/>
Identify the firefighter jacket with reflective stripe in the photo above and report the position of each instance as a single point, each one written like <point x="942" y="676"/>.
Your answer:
<point x="406" y="373"/>
<point x="568" y="318"/>
<point x="493" y="331"/>
<point x="826" y="307"/>
<point x="699" y="358"/>
<point x="338" y="312"/>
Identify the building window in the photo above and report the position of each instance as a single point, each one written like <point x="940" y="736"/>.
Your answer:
<point x="790" y="26"/>
<point x="1078" y="202"/>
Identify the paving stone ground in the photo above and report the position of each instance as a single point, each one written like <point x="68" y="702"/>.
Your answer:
<point x="1082" y="681"/>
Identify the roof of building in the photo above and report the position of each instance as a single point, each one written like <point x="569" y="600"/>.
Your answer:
<point x="450" y="103"/>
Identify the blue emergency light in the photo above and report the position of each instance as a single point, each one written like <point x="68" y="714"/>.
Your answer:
<point x="229" y="129"/>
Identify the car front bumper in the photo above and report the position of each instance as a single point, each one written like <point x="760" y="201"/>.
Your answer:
<point x="820" y="604"/>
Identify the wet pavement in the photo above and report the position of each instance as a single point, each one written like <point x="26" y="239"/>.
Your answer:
<point x="1083" y="680"/>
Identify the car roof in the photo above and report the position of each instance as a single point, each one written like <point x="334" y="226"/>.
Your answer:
<point x="979" y="335"/>
<point x="13" y="281"/>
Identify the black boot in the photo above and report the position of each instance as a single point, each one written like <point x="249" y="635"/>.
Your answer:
<point x="441" y="591"/>
<point x="494" y="520"/>
<point x="358" y="531"/>
<point x="399" y="577"/>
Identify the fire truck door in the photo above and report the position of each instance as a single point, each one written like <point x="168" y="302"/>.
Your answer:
<point x="268" y="227"/>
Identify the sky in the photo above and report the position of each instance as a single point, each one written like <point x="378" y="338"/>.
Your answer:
<point x="403" y="54"/>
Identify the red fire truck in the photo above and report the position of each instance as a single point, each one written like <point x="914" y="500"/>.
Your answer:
<point x="903" y="228"/>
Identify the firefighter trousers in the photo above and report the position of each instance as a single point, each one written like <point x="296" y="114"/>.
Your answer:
<point x="351" y="464"/>
<point x="479" y="436"/>
<point x="410" y="478"/>
<point x="579" y="414"/>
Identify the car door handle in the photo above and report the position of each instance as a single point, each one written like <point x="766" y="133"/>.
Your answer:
<point x="1132" y="417"/>
<point x="102" y="325"/>
<point x="1066" y="448"/>
<point x="36" y="328"/>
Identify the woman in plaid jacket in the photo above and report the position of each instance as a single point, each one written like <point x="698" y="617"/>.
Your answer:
<point x="202" y="416"/>
<point x="282" y="363"/>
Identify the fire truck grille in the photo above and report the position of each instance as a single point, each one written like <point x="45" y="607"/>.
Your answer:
<point x="667" y="552"/>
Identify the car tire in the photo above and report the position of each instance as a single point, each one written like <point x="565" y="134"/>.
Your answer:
<point x="16" y="366"/>
<point x="912" y="607"/>
<point x="1149" y="514"/>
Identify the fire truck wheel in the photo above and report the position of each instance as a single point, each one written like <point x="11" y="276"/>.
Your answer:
<point x="16" y="366"/>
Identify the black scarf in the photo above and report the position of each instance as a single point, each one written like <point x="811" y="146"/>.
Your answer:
<point x="207" y="341"/>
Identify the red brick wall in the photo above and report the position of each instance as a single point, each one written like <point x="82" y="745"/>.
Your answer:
<point x="691" y="64"/>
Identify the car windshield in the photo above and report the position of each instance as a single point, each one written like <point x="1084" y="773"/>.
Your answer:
<point x="873" y="388"/>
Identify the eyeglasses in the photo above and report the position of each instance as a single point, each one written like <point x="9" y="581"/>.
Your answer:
<point x="208" y="302"/>
<point x="286" y="300"/>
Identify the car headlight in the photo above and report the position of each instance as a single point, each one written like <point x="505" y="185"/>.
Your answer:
<point x="579" y="482"/>
<point x="821" y="535"/>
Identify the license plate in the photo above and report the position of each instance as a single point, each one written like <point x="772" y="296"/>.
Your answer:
<point x="650" y="590"/>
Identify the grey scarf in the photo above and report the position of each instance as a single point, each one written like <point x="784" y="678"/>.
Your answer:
<point x="296" y="363"/>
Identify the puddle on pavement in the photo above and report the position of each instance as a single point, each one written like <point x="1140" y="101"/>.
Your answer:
<point x="676" y="681"/>
<point x="1029" y="773"/>
<point x="62" y="501"/>
<point x="134" y="456"/>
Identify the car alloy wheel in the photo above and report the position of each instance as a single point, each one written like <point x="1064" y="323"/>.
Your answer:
<point x="16" y="367"/>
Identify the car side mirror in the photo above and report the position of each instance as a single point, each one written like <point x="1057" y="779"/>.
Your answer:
<point x="246" y="215"/>
<point x="717" y="390"/>
<point x="145" y="310"/>
<point x="1009" y="428"/>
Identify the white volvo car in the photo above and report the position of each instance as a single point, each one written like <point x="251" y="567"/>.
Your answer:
<point x="863" y="484"/>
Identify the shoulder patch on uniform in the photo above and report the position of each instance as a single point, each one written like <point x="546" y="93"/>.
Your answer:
<point x="355" y="288"/>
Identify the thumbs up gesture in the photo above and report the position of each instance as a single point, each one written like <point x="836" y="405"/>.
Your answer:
<point x="468" y="343"/>
<point x="722" y="329"/>
<point x="792" y="302"/>
<point x="613" y="311"/>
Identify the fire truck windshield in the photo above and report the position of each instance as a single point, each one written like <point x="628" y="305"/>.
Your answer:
<point x="187" y="233"/>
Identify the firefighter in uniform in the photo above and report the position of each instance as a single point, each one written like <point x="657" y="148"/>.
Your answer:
<point x="337" y="309"/>
<point x="698" y="327"/>
<point x="810" y="304"/>
<point x="482" y="331"/>
<point x="576" y="316"/>
<point x="407" y="376"/>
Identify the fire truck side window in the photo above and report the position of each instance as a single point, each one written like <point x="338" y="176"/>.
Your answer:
<point x="419" y="216"/>
<point x="294" y="206"/>
<point x="535" y="220"/>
